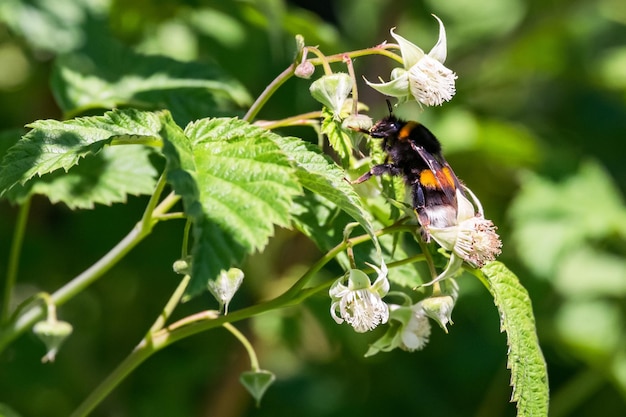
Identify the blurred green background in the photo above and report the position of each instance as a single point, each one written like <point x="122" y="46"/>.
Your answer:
<point x="537" y="130"/>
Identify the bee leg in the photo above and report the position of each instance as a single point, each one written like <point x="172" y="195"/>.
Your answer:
<point x="381" y="169"/>
<point x="419" y="204"/>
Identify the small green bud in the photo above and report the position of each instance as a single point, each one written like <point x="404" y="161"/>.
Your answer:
<point x="439" y="309"/>
<point x="52" y="333"/>
<point x="182" y="266"/>
<point x="332" y="91"/>
<point x="225" y="286"/>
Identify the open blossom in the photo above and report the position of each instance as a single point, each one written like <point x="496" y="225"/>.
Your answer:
<point x="424" y="77"/>
<point x="473" y="239"/>
<point x="360" y="302"/>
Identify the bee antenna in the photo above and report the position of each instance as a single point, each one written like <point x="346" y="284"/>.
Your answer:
<point x="390" y="107"/>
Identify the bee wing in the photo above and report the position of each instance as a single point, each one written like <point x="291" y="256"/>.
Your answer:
<point x="447" y="180"/>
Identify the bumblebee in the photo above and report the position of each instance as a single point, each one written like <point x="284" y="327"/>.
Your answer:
<point x="414" y="153"/>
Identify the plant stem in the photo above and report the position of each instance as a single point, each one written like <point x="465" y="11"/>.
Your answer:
<point x="267" y="93"/>
<point x="170" y="305"/>
<point x="289" y="71"/>
<point x="207" y="320"/>
<point x="14" y="260"/>
<point x="142" y="229"/>
<point x="254" y="361"/>
<point x="132" y="361"/>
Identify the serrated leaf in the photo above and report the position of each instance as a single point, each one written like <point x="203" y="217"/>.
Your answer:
<point x="529" y="377"/>
<point x="53" y="145"/>
<point x="338" y="138"/>
<point x="237" y="186"/>
<point x="106" y="178"/>
<point x="100" y="78"/>
<point x="317" y="173"/>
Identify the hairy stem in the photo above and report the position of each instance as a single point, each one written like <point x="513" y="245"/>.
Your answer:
<point x="14" y="260"/>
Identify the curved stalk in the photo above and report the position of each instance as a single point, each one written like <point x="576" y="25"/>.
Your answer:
<point x="289" y="71"/>
<point x="207" y="320"/>
<point x="142" y="229"/>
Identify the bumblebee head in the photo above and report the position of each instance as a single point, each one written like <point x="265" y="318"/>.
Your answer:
<point x="387" y="127"/>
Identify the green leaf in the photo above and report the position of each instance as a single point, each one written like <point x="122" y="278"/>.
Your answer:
<point x="52" y="145"/>
<point x="106" y="178"/>
<point x="317" y="173"/>
<point x="100" y="78"/>
<point x="236" y="185"/>
<point x="544" y="211"/>
<point x="529" y="377"/>
<point x="50" y="25"/>
<point x="340" y="140"/>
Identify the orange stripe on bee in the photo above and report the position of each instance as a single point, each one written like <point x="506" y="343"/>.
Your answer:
<point x="443" y="178"/>
<point x="406" y="130"/>
<point x="428" y="179"/>
<point x="449" y="176"/>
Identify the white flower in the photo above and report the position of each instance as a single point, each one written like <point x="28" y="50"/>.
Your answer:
<point x="416" y="331"/>
<point x="473" y="239"/>
<point x="360" y="302"/>
<point x="424" y="77"/>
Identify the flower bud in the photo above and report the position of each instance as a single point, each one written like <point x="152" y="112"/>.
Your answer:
<point x="304" y="70"/>
<point x="225" y="286"/>
<point x="182" y="266"/>
<point x="439" y="309"/>
<point x="257" y="382"/>
<point x="332" y="91"/>
<point x="358" y="122"/>
<point x="52" y="333"/>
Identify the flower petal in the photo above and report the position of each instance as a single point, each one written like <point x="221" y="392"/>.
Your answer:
<point x="333" y="312"/>
<point x="439" y="51"/>
<point x="411" y="53"/>
<point x="397" y="87"/>
<point x="431" y="83"/>
<point x="454" y="266"/>
<point x="465" y="207"/>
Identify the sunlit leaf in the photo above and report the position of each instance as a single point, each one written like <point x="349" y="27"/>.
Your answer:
<point x="529" y="377"/>
<point x="54" y="147"/>
<point x="317" y="173"/>
<point x="237" y="186"/>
